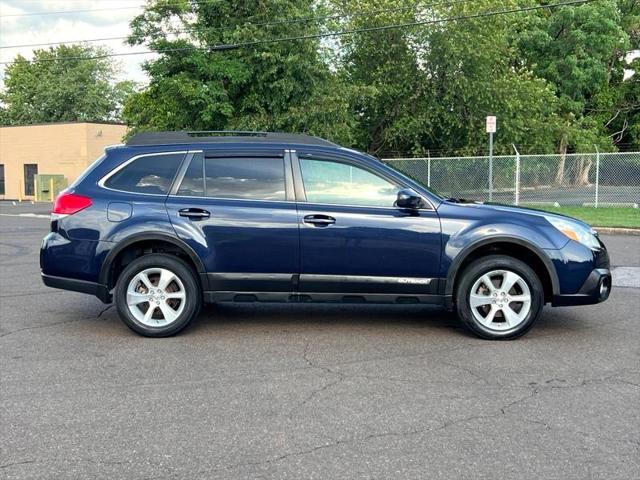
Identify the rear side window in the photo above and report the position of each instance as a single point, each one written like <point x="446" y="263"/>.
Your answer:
<point x="150" y="174"/>
<point x="242" y="178"/>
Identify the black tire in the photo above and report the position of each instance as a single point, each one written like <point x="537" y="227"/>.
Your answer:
<point x="185" y="274"/>
<point x="473" y="272"/>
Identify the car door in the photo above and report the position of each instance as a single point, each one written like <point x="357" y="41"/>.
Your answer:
<point x="352" y="237"/>
<point x="237" y="211"/>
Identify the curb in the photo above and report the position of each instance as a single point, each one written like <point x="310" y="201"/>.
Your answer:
<point x="618" y="231"/>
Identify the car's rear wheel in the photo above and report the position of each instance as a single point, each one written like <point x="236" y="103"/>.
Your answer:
<point x="499" y="297"/>
<point x="157" y="295"/>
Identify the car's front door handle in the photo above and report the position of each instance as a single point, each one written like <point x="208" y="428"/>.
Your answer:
<point x="194" y="213"/>
<point x="319" y="220"/>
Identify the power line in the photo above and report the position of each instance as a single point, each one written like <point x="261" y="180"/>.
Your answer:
<point x="130" y="7"/>
<point x="280" y="22"/>
<point x="63" y="12"/>
<point x="63" y="43"/>
<point x="233" y="46"/>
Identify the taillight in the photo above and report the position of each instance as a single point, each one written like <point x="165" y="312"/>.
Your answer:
<point x="69" y="203"/>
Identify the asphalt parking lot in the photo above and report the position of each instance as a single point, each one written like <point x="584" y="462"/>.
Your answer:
<point x="311" y="392"/>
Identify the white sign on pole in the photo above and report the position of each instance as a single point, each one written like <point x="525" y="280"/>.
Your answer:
<point x="491" y="124"/>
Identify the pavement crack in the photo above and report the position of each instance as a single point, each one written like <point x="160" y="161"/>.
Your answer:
<point x="320" y="390"/>
<point x="326" y="386"/>
<point x="559" y="384"/>
<point x="536" y="422"/>
<point x="532" y="394"/>
<point x="103" y="311"/>
<point x="501" y="412"/>
<point x="30" y="294"/>
<point x="305" y="354"/>
<point x="348" y="441"/>
<point x="24" y="462"/>
<point x="343" y="376"/>
<point x="36" y="327"/>
<point x="465" y="369"/>
<point x="627" y="382"/>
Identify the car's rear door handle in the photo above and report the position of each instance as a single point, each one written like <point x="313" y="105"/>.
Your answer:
<point x="319" y="220"/>
<point x="194" y="213"/>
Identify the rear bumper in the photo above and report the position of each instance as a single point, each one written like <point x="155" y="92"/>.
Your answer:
<point x="83" y="286"/>
<point x="595" y="289"/>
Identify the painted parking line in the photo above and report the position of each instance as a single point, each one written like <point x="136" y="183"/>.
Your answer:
<point x="626" y="277"/>
<point x="25" y="215"/>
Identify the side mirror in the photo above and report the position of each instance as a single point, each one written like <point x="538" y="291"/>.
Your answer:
<point x="409" y="199"/>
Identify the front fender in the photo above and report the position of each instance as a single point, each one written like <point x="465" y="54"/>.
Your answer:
<point x="456" y="256"/>
<point x="467" y="227"/>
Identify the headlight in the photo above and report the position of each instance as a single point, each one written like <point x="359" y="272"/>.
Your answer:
<point x="575" y="231"/>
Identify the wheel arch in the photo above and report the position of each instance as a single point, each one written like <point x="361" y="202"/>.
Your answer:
<point x="148" y="240"/>
<point x="506" y="245"/>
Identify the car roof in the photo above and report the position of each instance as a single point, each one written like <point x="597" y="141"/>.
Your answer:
<point x="224" y="136"/>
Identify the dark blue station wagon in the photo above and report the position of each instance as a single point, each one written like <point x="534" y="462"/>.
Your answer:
<point x="174" y="219"/>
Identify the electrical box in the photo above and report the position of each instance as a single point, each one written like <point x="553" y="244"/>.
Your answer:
<point x="47" y="186"/>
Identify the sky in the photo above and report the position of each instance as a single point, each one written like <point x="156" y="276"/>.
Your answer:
<point x="111" y="20"/>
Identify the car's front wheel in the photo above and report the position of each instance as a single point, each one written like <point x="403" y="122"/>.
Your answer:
<point x="157" y="295"/>
<point x="499" y="297"/>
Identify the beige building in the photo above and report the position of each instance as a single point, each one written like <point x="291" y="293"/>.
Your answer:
<point x="54" y="148"/>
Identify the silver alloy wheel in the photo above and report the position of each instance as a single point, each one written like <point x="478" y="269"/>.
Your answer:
<point x="500" y="300"/>
<point x="156" y="297"/>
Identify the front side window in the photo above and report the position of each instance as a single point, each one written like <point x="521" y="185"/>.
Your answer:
<point x="342" y="184"/>
<point x="235" y="178"/>
<point x="151" y="174"/>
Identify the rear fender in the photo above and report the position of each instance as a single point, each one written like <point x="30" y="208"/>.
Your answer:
<point x="112" y="254"/>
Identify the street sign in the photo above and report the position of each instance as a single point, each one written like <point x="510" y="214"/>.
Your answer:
<point x="491" y="124"/>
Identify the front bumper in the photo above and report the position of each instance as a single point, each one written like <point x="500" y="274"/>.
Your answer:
<point x="595" y="289"/>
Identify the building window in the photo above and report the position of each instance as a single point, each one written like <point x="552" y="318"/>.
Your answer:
<point x="1" y="179"/>
<point x="30" y="171"/>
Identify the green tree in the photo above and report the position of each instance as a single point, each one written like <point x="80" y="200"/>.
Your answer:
<point x="622" y="119"/>
<point x="63" y="83"/>
<point x="555" y="77"/>
<point x="284" y="86"/>
<point x="580" y="51"/>
<point x="429" y="88"/>
<point x="382" y="69"/>
<point x="572" y="48"/>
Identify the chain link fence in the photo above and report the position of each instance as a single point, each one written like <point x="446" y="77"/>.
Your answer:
<point x="589" y="179"/>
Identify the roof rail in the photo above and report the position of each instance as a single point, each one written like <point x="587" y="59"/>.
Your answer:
<point x="222" y="133"/>
<point x="222" y="136"/>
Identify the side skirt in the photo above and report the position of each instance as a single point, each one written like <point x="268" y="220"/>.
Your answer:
<point x="311" y="297"/>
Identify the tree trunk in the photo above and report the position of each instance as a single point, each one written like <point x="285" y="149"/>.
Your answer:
<point x="559" y="180"/>
<point x="582" y="171"/>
